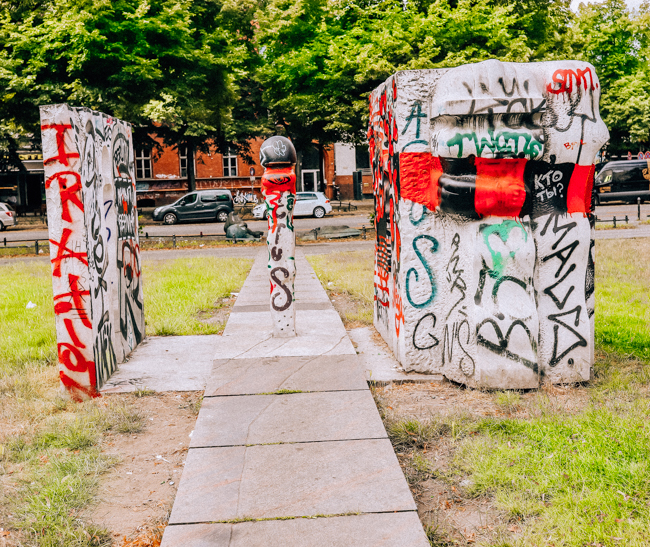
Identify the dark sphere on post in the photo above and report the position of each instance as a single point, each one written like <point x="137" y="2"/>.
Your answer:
<point x="277" y="151"/>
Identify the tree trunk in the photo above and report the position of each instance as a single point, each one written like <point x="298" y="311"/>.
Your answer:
<point x="191" y="175"/>
<point x="321" y="170"/>
<point x="299" y="187"/>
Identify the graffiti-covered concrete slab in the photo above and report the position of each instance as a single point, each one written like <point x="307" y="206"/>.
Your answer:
<point x="94" y="246"/>
<point x="483" y="180"/>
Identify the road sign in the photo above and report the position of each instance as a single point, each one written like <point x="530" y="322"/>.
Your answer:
<point x="252" y="174"/>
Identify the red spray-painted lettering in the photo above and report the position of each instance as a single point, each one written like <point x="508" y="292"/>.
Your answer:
<point x="563" y="81"/>
<point x="61" y="155"/>
<point x="63" y="252"/>
<point x="69" y="194"/>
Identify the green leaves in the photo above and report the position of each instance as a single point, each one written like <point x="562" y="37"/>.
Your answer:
<point x="323" y="57"/>
<point x="168" y="61"/>
<point x="617" y="43"/>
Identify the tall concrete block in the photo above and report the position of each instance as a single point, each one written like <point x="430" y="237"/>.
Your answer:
<point x="484" y="262"/>
<point x="94" y="246"/>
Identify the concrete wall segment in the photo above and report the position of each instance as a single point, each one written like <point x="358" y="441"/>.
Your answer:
<point x="469" y="166"/>
<point x="90" y="195"/>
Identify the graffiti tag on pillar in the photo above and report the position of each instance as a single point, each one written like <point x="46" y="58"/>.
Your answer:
<point x="278" y="157"/>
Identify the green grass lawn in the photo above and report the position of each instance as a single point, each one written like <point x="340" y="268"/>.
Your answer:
<point x="567" y="479"/>
<point x="50" y="448"/>
<point x="178" y="293"/>
<point x="352" y="274"/>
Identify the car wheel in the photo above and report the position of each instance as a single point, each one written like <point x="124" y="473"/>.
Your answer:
<point x="265" y="215"/>
<point x="170" y="218"/>
<point x="2" y="226"/>
<point x="222" y="216"/>
<point x="319" y="212"/>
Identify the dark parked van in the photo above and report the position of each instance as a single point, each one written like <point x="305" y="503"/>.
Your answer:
<point x="200" y="206"/>
<point x="623" y="181"/>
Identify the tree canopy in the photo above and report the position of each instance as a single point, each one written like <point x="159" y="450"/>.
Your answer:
<point x="223" y="71"/>
<point x="175" y="67"/>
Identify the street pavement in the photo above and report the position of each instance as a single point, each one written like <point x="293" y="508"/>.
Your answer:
<point x="208" y="228"/>
<point x="289" y="448"/>
<point x="354" y="220"/>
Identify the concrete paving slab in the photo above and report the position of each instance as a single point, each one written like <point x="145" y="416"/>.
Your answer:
<point x="379" y="363"/>
<point x="290" y="418"/>
<point x="281" y="480"/>
<point x="323" y="322"/>
<point x="300" y="305"/>
<point x="370" y="530"/>
<point x="264" y="345"/>
<point x="249" y="335"/>
<point x="166" y="363"/>
<point x="320" y="373"/>
<point x="209" y="485"/>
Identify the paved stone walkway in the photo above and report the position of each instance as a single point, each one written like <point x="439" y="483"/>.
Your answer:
<point x="289" y="449"/>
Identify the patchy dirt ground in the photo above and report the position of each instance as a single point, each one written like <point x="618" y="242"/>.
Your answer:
<point x="220" y="314"/>
<point x="422" y="400"/>
<point x="136" y="496"/>
<point x="452" y="516"/>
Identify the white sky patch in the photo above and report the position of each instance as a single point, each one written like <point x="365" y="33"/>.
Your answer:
<point x="631" y="4"/>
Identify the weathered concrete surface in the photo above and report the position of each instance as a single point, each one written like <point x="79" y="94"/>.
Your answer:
<point x="94" y="251"/>
<point x="167" y="363"/>
<point x="483" y="173"/>
<point x="307" y="373"/>
<point x="369" y="530"/>
<point x="271" y="481"/>
<point x="322" y="451"/>
<point x="318" y="332"/>
<point x="379" y="363"/>
<point x="289" y="418"/>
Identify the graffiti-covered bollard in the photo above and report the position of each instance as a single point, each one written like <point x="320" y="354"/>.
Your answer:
<point x="94" y="246"/>
<point x="483" y="179"/>
<point x="278" y="157"/>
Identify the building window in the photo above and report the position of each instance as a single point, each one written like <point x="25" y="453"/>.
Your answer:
<point x="229" y="164"/>
<point x="182" y="156"/>
<point x="142" y="164"/>
<point x="362" y="156"/>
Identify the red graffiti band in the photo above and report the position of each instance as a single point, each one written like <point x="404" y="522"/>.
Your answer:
<point x="279" y="179"/>
<point x="501" y="184"/>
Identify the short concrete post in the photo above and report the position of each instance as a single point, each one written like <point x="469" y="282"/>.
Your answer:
<point x="278" y="157"/>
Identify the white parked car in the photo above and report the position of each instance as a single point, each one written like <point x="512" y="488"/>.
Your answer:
<point x="7" y="216"/>
<point x="307" y="204"/>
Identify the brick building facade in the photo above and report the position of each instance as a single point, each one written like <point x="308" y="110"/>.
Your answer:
<point x="161" y="178"/>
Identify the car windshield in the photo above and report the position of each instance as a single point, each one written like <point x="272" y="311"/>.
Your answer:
<point x="7" y="207"/>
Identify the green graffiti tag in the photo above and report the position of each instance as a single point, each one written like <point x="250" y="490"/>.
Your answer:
<point x="503" y="230"/>
<point x="500" y="143"/>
